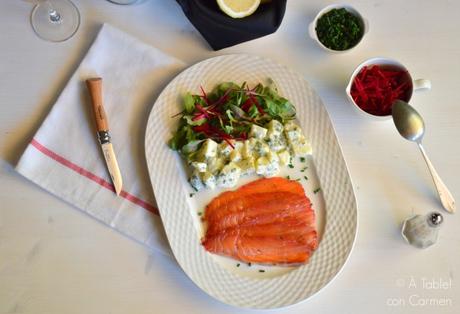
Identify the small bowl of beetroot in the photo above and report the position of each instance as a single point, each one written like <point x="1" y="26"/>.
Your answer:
<point x="377" y="83"/>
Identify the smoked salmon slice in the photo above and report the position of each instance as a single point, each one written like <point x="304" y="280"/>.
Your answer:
<point x="265" y="185"/>
<point x="267" y="221"/>
<point x="280" y="250"/>
<point x="259" y="208"/>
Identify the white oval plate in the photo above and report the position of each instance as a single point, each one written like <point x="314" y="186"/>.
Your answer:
<point x="335" y="205"/>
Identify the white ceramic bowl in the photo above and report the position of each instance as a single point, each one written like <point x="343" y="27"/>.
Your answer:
<point x="312" y="26"/>
<point x="419" y="84"/>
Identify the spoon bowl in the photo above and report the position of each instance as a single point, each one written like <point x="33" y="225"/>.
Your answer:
<point x="408" y="121"/>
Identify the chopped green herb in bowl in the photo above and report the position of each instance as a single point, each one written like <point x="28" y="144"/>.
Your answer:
<point x="338" y="28"/>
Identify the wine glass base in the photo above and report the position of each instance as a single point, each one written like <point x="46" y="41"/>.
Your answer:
<point x="123" y="1"/>
<point x="58" y="28"/>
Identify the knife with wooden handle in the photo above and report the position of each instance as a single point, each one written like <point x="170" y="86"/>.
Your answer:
<point x="102" y="126"/>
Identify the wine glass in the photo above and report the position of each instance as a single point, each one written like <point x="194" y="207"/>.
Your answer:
<point x="55" y="20"/>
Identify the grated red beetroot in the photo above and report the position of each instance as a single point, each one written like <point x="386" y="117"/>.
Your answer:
<point x="375" y="89"/>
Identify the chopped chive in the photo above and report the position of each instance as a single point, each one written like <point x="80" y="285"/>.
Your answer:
<point x="200" y="213"/>
<point x="339" y="29"/>
<point x="291" y="166"/>
<point x="298" y="179"/>
<point x="305" y="177"/>
<point x="191" y="194"/>
<point x="249" y="264"/>
<point x="302" y="159"/>
<point x="316" y="190"/>
<point x="238" y="265"/>
<point x="288" y="177"/>
<point x="261" y="271"/>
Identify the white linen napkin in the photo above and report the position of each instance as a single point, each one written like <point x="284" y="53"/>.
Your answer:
<point x="64" y="156"/>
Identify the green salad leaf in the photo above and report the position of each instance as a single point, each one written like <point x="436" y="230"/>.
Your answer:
<point x="189" y="103"/>
<point x="190" y="121"/>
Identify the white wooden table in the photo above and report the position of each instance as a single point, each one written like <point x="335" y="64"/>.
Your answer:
<point x="54" y="259"/>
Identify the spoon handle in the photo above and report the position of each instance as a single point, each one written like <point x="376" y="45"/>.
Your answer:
<point x="446" y="198"/>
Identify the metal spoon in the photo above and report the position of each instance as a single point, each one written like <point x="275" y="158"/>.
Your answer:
<point x="411" y="126"/>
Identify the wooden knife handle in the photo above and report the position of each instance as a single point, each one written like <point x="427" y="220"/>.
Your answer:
<point x="95" y="90"/>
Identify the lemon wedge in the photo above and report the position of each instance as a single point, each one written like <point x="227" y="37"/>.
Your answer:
<point x="238" y="8"/>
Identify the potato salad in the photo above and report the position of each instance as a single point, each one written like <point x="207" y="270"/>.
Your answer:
<point x="267" y="149"/>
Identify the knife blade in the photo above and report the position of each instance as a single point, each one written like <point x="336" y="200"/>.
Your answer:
<point x="102" y="126"/>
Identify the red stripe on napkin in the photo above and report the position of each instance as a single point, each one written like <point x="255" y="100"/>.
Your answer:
<point x="109" y="186"/>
